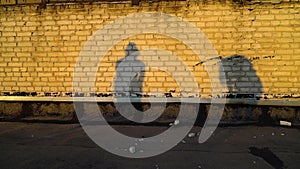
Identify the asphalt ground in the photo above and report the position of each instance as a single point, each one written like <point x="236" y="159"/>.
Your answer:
<point x="66" y="146"/>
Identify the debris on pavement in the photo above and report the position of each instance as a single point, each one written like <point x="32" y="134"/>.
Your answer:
<point x="285" y="123"/>
<point x="132" y="149"/>
<point x="176" y="122"/>
<point x="190" y="135"/>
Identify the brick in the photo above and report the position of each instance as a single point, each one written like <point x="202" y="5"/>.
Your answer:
<point x="50" y="22"/>
<point x="9" y="34"/>
<point x="281" y="73"/>
<point x="297" y="63"/>
<point x="45" y="74"/>
<point x="265" y="17"/>
<point x="14" y="64"/>
<point x="64" y="22"/>
<point x="297" y="40"/>
<point x="284" y="17"/>
<point x="265" y="29"/>
<point x="288" y="68"/>
<point x="8" y="2"/>
<point x="24" y="44"/>
<point x="283" y="84"/>
<point x="84" y="33"/>
<point x="9" y="83"/>
<point x="23" y="83"/>
<point x="284" y="28"/>
<point x="67" y="32"/>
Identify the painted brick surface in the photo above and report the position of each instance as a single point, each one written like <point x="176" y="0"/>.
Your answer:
<point x="258" y="41"/>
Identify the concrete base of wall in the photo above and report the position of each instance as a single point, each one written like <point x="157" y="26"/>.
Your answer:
<point x="64" y="112"/>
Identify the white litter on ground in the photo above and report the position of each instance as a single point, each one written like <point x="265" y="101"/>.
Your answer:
<point x="132" y="149"/>
<point x="191" y="135"/>
<point x="285" y="123"/>
<point x="176" y="122"/>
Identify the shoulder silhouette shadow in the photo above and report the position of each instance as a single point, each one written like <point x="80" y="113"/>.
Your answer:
<point x="243" y="82"/>
<point x="241" y="78"/>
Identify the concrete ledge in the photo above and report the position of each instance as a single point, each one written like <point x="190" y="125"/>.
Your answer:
<point x="242" y="101"/>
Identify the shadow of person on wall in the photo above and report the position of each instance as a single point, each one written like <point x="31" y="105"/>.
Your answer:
<point x="128" y="83"/>
<point x="129" y="73"/>
<point x="243" y="82"/>
<point x="241" y="78"/>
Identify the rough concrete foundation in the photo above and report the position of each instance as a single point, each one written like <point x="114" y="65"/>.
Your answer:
<point x="64" y="112"/>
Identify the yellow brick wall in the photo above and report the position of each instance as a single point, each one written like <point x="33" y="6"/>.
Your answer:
<point x="39" y="46"/>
